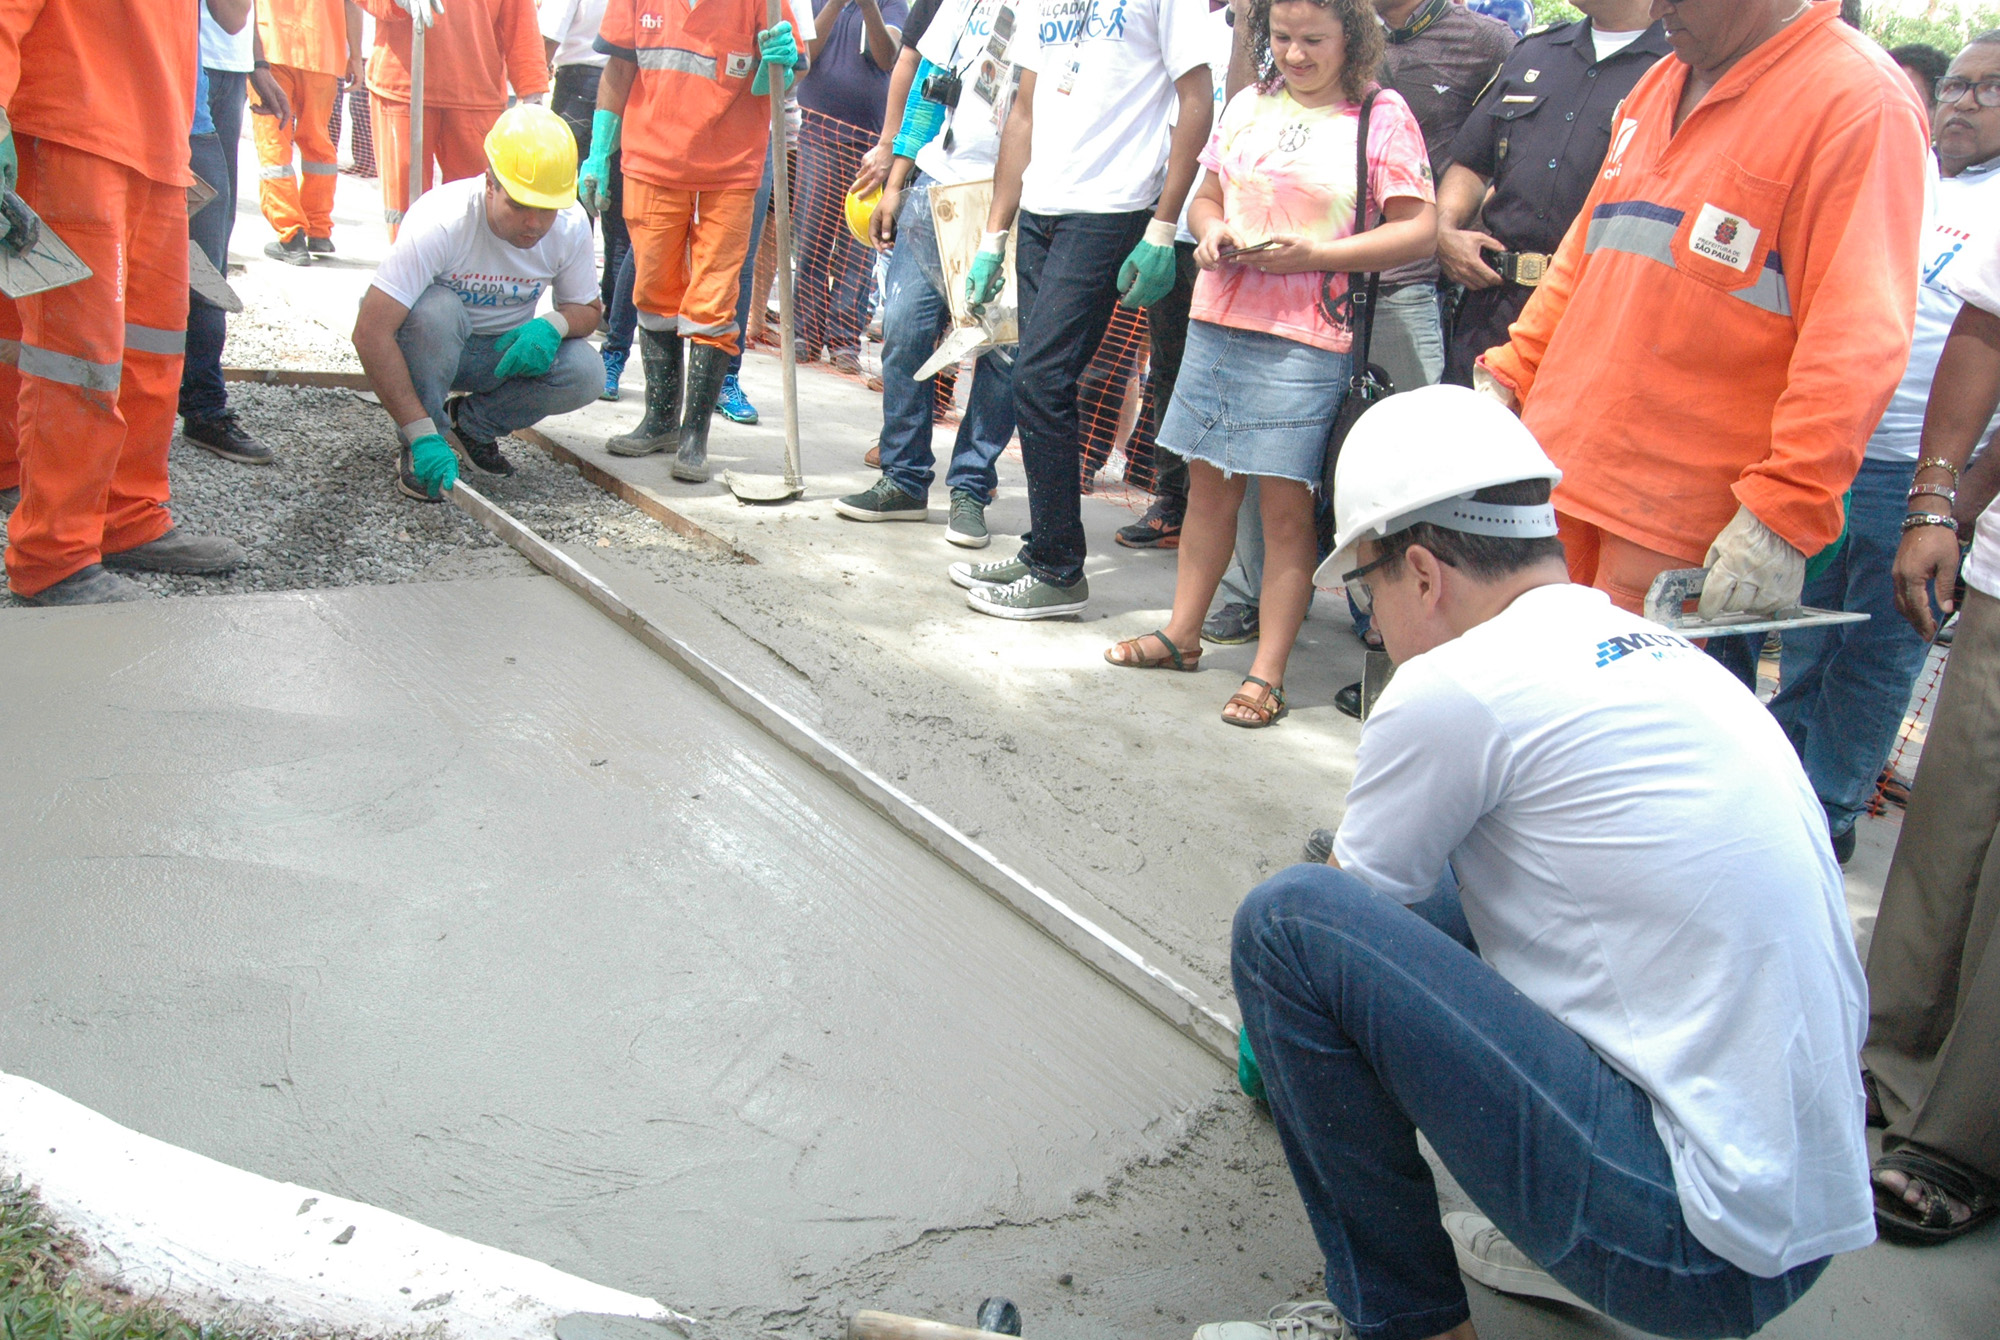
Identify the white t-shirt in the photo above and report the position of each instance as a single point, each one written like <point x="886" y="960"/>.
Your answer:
<point x="1978" y="282"/>
<point x="222" y="50"/>
<point x="1961" y="207"/>
<point x="1104" y="99"/>
<point x="1220" y="35"/>
<point x="1640" y="854"/>
<point x="445" y="240"/>
<point x="1610" y="44"/>
<point x="572" y="25"/>
<point x="961" y="38"/>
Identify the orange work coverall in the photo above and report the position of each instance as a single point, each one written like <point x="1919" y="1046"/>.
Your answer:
<point x="693" y="147"/>
<point x="305" y="42"/>
<point x="1731" y="312"/>
<point x="101" y="95"/>
<point x="475" y="50"/>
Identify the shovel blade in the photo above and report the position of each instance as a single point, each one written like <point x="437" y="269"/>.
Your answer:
<point x="762" y="488"/>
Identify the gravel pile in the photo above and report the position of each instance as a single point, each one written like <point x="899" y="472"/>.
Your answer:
<point x="328" y="512"/>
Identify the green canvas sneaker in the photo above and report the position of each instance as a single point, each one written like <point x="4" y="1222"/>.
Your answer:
<point x="1029" y="598"/>
<point x="968" y="521"/>
<point x="972" y="576"/>
<point x="883" y="502"/>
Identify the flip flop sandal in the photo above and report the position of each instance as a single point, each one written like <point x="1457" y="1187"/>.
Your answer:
<point x="1268" y="710"/>
<point x="1931" y="1222"/>
<point x="1132" y="655"/>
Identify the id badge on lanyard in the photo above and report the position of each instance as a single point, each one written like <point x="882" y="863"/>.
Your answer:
<point x="1070" y="71"/>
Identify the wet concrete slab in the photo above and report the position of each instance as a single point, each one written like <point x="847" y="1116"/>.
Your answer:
<point x="453" y="899"/>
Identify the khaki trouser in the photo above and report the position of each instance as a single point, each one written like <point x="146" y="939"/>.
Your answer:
<point x="1934" y="965"/>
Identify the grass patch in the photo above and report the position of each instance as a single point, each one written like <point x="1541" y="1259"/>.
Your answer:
<point x="44" y="1295"/>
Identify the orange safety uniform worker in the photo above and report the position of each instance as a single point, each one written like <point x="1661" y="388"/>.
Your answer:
<point x="686" y="97"/>
<point x="1728" y="317"/>
<point x="100" y="94"/>
<point x="305" y="44"/>
<point x="473" y="52"/>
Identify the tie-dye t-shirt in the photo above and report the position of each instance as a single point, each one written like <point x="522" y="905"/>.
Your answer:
<point x="1286" y="168"/>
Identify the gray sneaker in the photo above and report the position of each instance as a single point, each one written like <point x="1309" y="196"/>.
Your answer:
<point x="1231" y="626"/>
<point x="971" y="576"/>
<point x="968" y="521"/>
<point x="1030" y="598"/>
<point x="883" y="502"/>
<point x="93" y="585"/>
<point x="1485" y="1254"/>
<point x="178" y="551"/>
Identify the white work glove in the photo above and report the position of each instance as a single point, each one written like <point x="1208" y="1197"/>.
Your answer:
<point x="423" y="13"/>
<point x="1484" y="382"/>
<point x="1751" y="570"/>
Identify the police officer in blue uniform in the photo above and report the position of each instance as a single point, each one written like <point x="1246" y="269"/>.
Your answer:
<point x="1537" y="137"/>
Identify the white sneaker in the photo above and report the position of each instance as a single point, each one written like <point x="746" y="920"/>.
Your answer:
<point x="1288" y="1321"/>
<point x="1485" y="1254"/>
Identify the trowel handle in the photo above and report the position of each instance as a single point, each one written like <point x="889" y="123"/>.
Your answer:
<point x="889" y="1326"/>
<point x="24" y="227"/>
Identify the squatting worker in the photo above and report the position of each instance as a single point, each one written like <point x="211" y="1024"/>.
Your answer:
<point x="1727" y="320"/>
<point x="101" y="101"/>
<point x="474" y="51"/>
<point x="448" y="333"/>
<point x="1537" y="139"/>
<point x="692" y="86"/>
<point x="1542" y="890"/>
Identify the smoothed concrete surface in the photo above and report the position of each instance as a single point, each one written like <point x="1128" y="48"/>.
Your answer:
<point x="455" y="900"/>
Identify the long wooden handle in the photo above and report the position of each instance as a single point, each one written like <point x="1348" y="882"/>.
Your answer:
<point x="889" y="1326"/>
<point x="781" y="198"/>
<point x="417" y="174"/>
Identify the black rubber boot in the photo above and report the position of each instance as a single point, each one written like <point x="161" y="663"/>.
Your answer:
<point x="660" y="355"/>
<point x="707" y="366"/>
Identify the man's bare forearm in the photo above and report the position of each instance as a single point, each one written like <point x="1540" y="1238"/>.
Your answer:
<point x="1196" y="117"/>
<point x="1017" y="140"/>
<point x="614" y="86"/>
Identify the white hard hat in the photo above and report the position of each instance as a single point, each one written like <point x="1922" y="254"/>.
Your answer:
<point x="1420" y="456"/>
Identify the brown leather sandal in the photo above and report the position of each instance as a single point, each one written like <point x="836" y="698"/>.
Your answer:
<point x="1132" y="655"/>
<point x="1267" y="710"/>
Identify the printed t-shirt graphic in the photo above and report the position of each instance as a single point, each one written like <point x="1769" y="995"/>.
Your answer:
<point x="445" y="240"/>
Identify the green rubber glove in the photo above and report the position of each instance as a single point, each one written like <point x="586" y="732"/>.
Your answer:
<point x="1249" y="1078"/>
<point x="528" y="350"/>
<point x="434" y="465"/>
<point x="10" y="161"/>
<point x="593" y="179"/>
<point x="988" y="275"/>
<point x="1148" y="273"/>
<point x="778" y="47"/>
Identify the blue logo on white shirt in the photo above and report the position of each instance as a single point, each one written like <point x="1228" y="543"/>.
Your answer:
<point x="1661" y="645"/>
<point x="1081" y="20"/>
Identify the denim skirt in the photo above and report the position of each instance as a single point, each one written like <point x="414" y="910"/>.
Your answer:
<point x="1251" y="403"/>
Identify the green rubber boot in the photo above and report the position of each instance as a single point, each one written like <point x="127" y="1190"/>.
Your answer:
<point x="660" y="354"/>
<point x="707" y="366"/>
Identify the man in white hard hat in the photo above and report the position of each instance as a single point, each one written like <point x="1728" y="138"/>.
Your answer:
<point x="1581" y="927"/>
<point x="449" y="333"/>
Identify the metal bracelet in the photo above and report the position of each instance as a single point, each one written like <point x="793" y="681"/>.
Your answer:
<point x="1950" y="496"/>
<point x="1917" y="519"/>
<point x="1940" y="462"/>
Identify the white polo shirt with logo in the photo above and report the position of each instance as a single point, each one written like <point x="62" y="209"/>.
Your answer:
<point x="1640" y="854"/>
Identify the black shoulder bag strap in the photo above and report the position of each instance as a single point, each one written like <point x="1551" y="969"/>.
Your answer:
<point x="1367" y="383"/>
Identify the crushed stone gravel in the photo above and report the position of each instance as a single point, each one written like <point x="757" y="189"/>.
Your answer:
<point x="328" y="512"/>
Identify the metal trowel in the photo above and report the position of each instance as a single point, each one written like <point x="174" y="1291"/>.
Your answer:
<point x="207" y="281"/>
<point x="963" y="343"/>
<point x="1667" y="601"/>
<point x="32" y="258"/>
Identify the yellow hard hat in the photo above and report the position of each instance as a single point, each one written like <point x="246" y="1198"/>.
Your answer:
<point x="533" y="153"/>
<point x="860" y="209"/>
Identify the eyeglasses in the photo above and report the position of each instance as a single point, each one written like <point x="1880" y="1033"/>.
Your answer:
<point x="1951" y="88"/>
<point x="1359" y="591"/>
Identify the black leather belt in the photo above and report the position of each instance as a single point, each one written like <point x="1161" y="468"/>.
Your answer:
<point x="1526" y="268"/>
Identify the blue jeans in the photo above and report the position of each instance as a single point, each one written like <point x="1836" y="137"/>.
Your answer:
<point x="445" y="356"/>
<point x="746" y="278"/>
<point x="203" y="395"/>
<point x="1067" y="265"/>
<point x="1369" y="1025"/>
<point x="1843" y="690"/>
<point x="914" y="316"/>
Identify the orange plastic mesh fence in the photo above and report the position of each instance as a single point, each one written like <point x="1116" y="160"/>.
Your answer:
<point x="351" y="106"/>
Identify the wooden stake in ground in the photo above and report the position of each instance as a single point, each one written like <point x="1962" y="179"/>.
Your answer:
<point x="765" y="488"/>
<point x="417" y="173"/>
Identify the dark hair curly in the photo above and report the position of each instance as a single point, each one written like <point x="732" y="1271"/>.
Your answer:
<point x="1360" y="59"/>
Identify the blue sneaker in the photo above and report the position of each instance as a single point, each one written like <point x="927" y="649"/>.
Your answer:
<point x="614" y="369"/>
<point x="735" y="406"/>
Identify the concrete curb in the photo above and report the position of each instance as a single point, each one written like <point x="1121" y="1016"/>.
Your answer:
<point x="222" y="1245"/>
